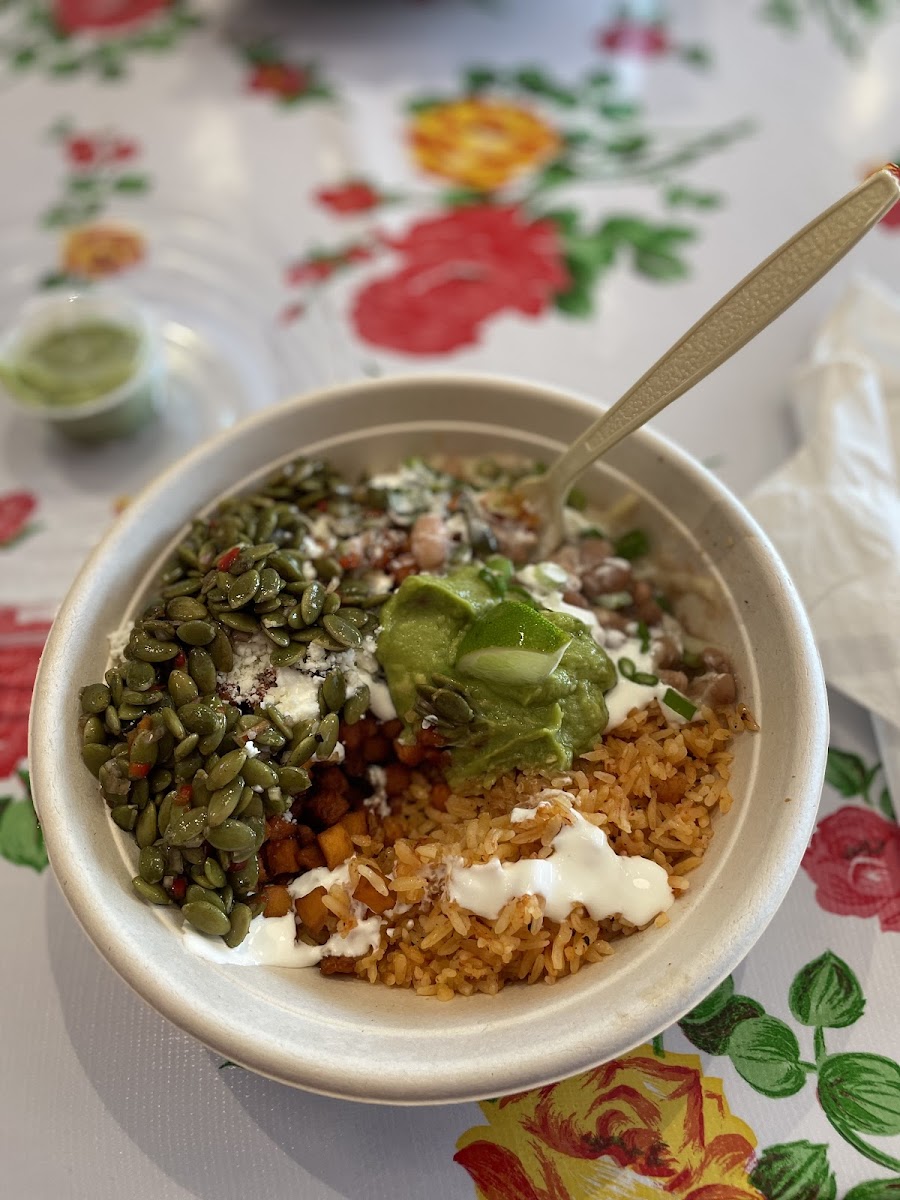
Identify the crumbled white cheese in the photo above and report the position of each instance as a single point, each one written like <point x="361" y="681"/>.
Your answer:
<point x="378" y="801"/>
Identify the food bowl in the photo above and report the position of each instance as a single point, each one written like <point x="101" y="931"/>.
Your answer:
<point x="353" y="1040"/>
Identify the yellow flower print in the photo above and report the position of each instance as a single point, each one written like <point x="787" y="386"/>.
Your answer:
<point x="481" y="144"/>
<point x="639" y="1128"/>
<point x="104" y="248"/>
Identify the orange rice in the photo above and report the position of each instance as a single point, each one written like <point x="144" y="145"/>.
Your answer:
<point x="652" y="787"/>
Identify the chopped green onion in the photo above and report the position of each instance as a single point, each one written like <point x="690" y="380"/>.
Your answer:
<point x="494" y="582"/>
<point x="627" y="668"/>
<point x="592" y="531"/>
<point x="614" y="600"/>
<point x="632" y="545"/>
<point x="500" y="565"/>
<point x="679" y="704"/>
<point x="691" y="660"/>
<point x="645" y="678"/>
<point x="577" y="499"/>
<point x="644" y="635"/>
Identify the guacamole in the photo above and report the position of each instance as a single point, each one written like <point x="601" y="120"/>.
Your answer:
<point x="514" y="726"/>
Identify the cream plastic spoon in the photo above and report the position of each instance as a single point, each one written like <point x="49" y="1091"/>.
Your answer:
<point x="744" y="312"/>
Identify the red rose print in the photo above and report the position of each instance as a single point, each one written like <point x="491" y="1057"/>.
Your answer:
<point x="123" y="149"/>
<point x="632" y="37"/>
<point x="458" y="270"/>
<point x="82" y="151"/>
<point x="15" y="510"/>
<point x="281" y="79"/>
<point x="854" y="861"/>
<point x="310" y="270"/>
<point x="351" y="197"/>
<point x="21" y="642"/>
<point x="891" y="219"/>
<point x="73" y="15"/>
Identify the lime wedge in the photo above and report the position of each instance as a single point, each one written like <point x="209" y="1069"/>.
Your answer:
<point x="513" y="644"/>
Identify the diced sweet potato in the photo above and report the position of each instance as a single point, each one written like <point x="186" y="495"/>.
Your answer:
<point x="277" y="829"/>
<point x="356" y="822"/>
<point x="335" y="844"/>
<point x="338" y="964"/>
<point x="410" y="756"/>
<point x="440" y="794"/>
<point x="278" y="900"/>
<point x="327" y="807"/>
<point x="282" y="858"/>
<point x="331" y="779"/>
<point x="372" y="898"/>
<point x="397" y="778"/>
<point x="377" y="748"/>
<point x="393" y="729"/>
<point x="310" y="857"/>
<point x="305" y="835"/>
<point x="311" y="911"/>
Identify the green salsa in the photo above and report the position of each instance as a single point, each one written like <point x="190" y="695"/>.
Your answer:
<point x="516" y="725"/>
<point x="74" y="364"/>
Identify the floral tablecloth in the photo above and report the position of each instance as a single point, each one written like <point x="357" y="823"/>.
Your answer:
<point x="307" y="192"/>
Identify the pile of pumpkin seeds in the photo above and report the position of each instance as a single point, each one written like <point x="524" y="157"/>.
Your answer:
<point x="169" y="752"/>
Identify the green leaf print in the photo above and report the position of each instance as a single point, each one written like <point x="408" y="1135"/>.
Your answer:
<point x="21" y="840"/>
<point x="766" y="1053"/>
<point x="848" y="774"/>
<point x="862" y="1092"/>
<point x="826" y="993"/>
<point x="794" y="1171"/>
<point x="712" y="1034"/>
<point x="875" y="1189"/>
<point x="712" y="1005"/>
<point x="886" y="805"/>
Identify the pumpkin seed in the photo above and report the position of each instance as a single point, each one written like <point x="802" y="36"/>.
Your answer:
<point x="125" y="817"/>
<point x="244" y="589"/>
<point x="159" y="780"/>
<point x="165" y="814"/>
<point x="259" y="774"/>
<point x="224" y="801"/>
<point x="172" y="722"/>
<point x="186" y="608"/>
<point x="145" y="831"/>
<point x="181" y="687"/>
<point x="280" y="637"/>
<point x="226" y="769"/>
<point x="331" y="603"/>
<point x="327" y="735"/>
<point x="334" y="690"/>
<point x="112" y="722"/>
<point x="240" y="621"/>
<point x="239" y="926"/>
<point x="184" y="587"/>
<point x="163" y="631"/>
<point x="451" y="707"/>
<point x="275" y="803"/>
<point x="270" y="739"/>
<point x="212" y="741"/>
<point x="355" y="616"/>
<point x="221" y="651"/>
<point x="327" y="567"/>
<point x="140" y="676"/>
<point x="246" y="878"/>
<point x="255" y="808"/>
<point x="214" y="874"/>
<point x="277" y="719"/>
<point x="202" y="670"/>
<point x="302" y="752"/>
<point x="196" y="633"/>
<point x="140" y="793"/>
<point x="115" y="684"/>
<point x="186" y="746"/>
<point x="287" y="656"/>
<point x="94" y="731"/>
<point x="152" y="892"/>
<point x="227" y="894"/>
<point x="95" y="698"/>
<point x="270" y="584"/>
<point x="200" y="717"/>
<point x="148" y="649"/>
<point x="94" y="755"/>
<point x="342" y="631"/>
<point x="246" y="798"/>
<point x="293" y="780"/>
<point x="187" y="767"/>
<point x="151" y="864"/>
<point x="186" y="826"/>
<point x="357" y="706"/>
<point x="233" y="836"/>
<point x="311" y="602"/>
<point x="196" y="891"/>
<point x="303" y="729"/>
<point x="141" y="699"/>
<point x="143" y="749"/>
<point x="206" y="917"/>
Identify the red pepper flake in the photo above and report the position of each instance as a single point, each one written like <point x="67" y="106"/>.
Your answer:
<point x="239" y="866"/>
<point x="145" y="723"/>
<point x="179" y="661"/>
<point x="138" y="770"/>
<point x="225" y="561"/>
<point x="321" y="506"/>
<point x="350" y="561"/>
<point x="178" y="888"/>
<point x="184" y="795"/>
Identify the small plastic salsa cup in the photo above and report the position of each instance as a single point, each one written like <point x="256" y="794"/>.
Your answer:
<point x="88" y="363"/>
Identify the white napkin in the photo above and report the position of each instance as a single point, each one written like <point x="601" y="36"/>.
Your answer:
<point x="833" y="510"/>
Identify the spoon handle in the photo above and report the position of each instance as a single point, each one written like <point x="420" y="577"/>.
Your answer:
<point x="747" y="309"/>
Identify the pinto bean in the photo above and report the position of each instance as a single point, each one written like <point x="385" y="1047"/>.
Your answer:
<point x="610" y="575"/>
<point x="674" y="679"/>
<point x="715" y="660"/>
<point x="594" y="550"/>
<point x="666" y="653"/>
<point x="713" y="688"/>
<point x="429" y="541"/>
<point x="575" y="598"/>
<point x="569" y="559"/>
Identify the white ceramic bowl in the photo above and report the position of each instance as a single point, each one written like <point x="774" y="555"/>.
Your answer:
<point x="387" y="1045"/>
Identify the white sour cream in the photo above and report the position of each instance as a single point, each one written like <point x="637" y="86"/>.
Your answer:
<point x="583" y="869"/>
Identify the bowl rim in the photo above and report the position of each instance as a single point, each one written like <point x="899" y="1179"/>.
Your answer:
<point x="125" y="957"/>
